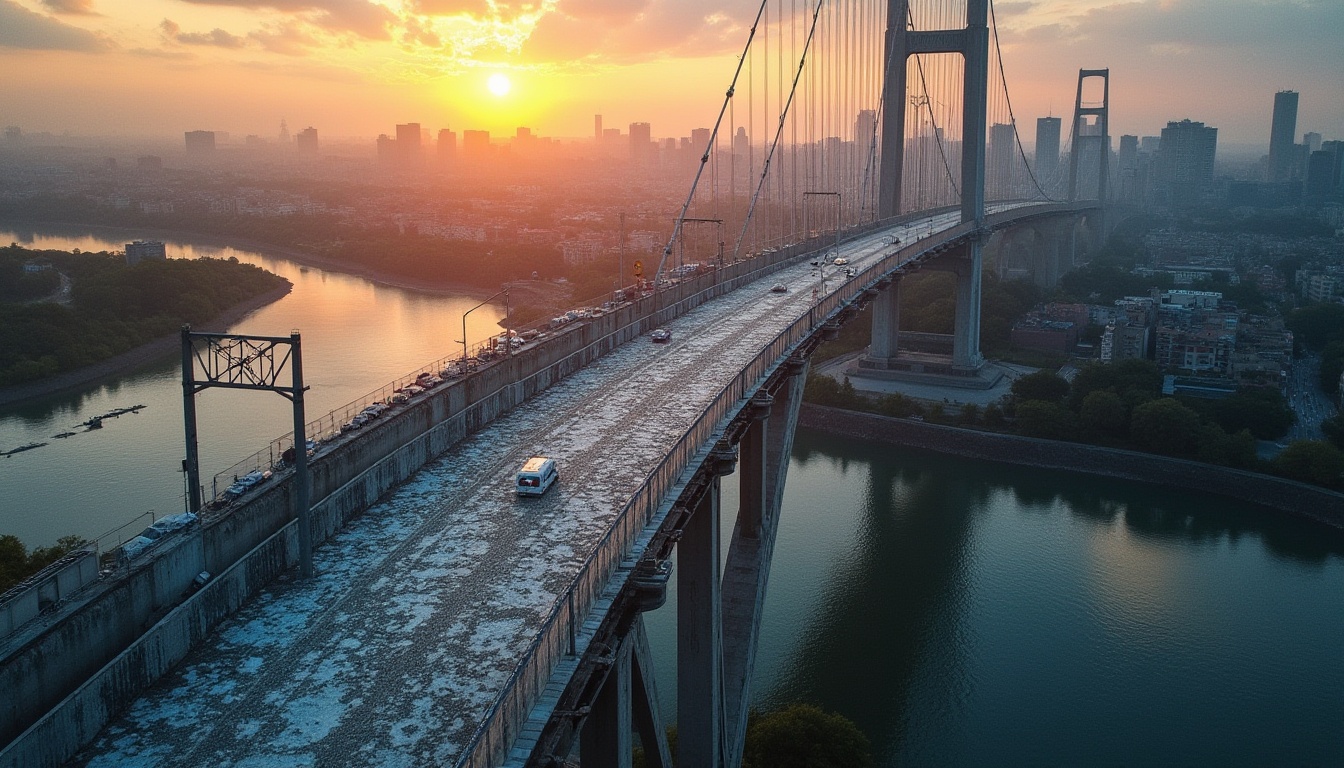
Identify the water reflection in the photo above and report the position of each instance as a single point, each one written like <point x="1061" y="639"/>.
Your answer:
<point x="968" y="613"/>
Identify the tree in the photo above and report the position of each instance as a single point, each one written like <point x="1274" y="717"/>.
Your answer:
<point x="1311" y="461"/>
<point x="1047" y="386"/>
<point x="1104" y="414"/>
<point x="1052" y="421"/>
<point x="1263" y="411"/>
<point x="1165" y="426"/>
<point x="970" y="414"/>
<point x="1333" y="428"/>
<point x="803" y="736"/>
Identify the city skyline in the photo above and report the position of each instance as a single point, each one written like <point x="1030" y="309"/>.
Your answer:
<point x="353" y="68"/>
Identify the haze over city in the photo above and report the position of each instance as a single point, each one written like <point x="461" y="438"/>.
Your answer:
<point x="352" y="68"/>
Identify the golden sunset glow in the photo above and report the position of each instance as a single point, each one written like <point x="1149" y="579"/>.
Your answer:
<point x="499" y="84"/>
<point x="355" y="68"/>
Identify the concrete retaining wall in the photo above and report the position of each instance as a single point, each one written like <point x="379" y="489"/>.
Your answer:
<point x="1266" y="490"/>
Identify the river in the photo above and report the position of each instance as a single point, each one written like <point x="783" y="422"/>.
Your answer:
<point x="965" y="613"/>
<point x="961" y="613"/>
<point x="357" y="336"/>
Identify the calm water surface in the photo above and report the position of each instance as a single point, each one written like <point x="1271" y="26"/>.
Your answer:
<point x="357" y="336"/>
<point x="968" y="614"/>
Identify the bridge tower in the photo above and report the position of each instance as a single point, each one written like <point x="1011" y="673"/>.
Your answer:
<point x="1079" y="140"/>
<point x="972" y="42"/>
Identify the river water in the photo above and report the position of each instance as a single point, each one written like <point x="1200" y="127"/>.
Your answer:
<point x="962" y="613"/>
<point x="357" y="336"/>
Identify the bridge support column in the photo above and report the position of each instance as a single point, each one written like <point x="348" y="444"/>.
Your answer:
<point x="885" y="342"/>
<point x="752" y="494"/>
<point x="966" y="327"/>
<point x="747" y="569"/>
<point x="605" y="741"/>
<point x="700" y="637"/>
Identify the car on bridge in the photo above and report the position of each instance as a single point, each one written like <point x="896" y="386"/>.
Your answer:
<point x="538" y="474"/>
<point x="661" y="336"/>
<point x="779" y="288"/>
<point x="840" y="261"/>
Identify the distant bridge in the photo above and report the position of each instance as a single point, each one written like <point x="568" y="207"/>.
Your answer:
<point x="452" y="622"/>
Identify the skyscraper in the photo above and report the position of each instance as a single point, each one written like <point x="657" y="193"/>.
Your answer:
<point x="1185" y="162"/>
<point x="408" y="142"/>
<point x="447" y="144"/>
<point x="200" y="142"/>
<point x="641" y="142"/>
<point x="306" y="140"/>
<point x="1000" y="163"/>
<point x="1047" y="153"/>
<point x="597" y="128"/>
<point x="1281" y="135"/>
<point x="865" y="128"/>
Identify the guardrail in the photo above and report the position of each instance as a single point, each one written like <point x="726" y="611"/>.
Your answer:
<point x="47" y="588"/>
<point x="490" y="741"/>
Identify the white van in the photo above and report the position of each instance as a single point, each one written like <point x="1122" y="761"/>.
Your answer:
<point x="538" y="474"/>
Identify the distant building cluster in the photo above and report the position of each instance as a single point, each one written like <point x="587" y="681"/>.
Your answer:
<point x="145" y="250"/>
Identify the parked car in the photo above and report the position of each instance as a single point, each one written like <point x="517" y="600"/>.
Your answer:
<point x="661" y="336"/>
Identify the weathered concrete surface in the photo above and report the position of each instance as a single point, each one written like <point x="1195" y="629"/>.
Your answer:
<point x="1273" y="492"/>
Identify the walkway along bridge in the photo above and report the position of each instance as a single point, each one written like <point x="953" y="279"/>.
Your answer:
<point x="451" y="622"/>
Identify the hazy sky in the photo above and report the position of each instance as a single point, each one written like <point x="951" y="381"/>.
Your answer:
<point x="358" y="67"/>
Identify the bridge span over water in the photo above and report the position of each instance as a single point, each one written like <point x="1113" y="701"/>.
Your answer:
<point x="451" y="622"/>
<point x="445" y="625"/>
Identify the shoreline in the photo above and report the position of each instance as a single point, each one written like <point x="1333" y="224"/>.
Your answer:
<point x="271" y="250"/>
<point x="149" y="352"/>
<point x="1281" y="495"/>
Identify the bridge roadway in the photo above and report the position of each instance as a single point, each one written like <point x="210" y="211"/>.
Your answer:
<point x="420" y="610"/>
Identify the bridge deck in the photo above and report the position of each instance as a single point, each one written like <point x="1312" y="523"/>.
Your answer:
<point x="422" y="607"/>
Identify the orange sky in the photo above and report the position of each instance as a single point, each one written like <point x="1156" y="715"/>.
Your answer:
<point x="358" y="67"/>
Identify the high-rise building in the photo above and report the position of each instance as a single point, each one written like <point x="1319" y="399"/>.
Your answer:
<point x="284" y="132"/>
<point x="700" y="139"/>
<point x="142" y="250"/>
<point x="641" y="142"/>
<point x="476" y="144"/>
<point x="1001" y="162"/>
<point x="408" y="142"/>
<point x="1185" y="162"/>
<point x="865" y="128"/>
<point x="1281" y="134"/>
<point x="597" y="128"/>
<point x="387" y="149"/>
<point x="1047" y="154"/>
<point x="741" y="143"/>
<point x="306" y="140"/>
<point x="1325" y="171"/>
<point x="447" y="144"/>
<point x="1312" y="141"/>
<point x="200" y="142"/>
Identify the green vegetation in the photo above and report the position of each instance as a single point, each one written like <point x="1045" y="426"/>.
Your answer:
<point x="115" y="307"/>
<point x="1320" y="328"/>
<point x="797" y="736"/>
<point x="1121" y="406"/>
<point x="17" y="563"/>
<point x="386" y="249"/>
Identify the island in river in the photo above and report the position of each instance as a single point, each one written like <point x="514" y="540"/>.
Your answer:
<point x="69" y="318"/>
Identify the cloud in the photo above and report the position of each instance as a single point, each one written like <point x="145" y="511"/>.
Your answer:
<point x="22" y="28"/>
<point x="70" y="6"/>
<point x="360" y="17"/>
<point x="215" y="37"/>
<point x="627" y="31"/>
<point x="286" y="39"/>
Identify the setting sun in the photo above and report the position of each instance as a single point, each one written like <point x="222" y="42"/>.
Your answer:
<point x="499" y="84"/>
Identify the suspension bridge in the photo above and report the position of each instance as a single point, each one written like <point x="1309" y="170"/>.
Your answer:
<point x="452" y="622"/>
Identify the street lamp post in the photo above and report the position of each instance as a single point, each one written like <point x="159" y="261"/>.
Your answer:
<point x="821" y="263"/>
<point x="508" y="343"/>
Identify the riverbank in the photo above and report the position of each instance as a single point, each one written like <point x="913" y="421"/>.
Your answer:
<point x="1272" y="492"/>
<point x="303" y="258"/>
<point x="144" y="354"/>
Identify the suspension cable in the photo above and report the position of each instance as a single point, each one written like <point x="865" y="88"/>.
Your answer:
<point x="998" y="54"/>
<point x="765" y="169"/>
<point x="713" y="137"/>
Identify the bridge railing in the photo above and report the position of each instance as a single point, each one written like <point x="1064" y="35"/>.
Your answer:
<point x="504" y="720"/>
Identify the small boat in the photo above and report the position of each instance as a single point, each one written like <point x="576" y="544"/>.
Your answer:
<point x="63" y="434"/>
<point x="95" y="423"/>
